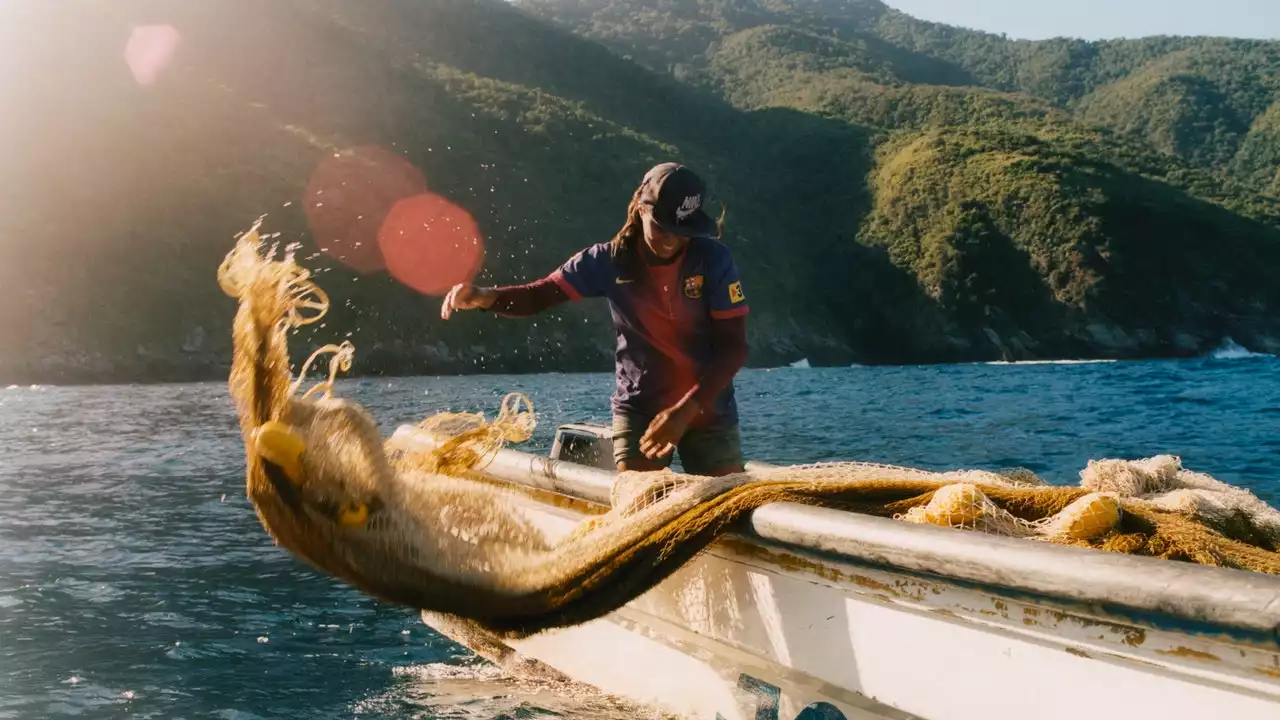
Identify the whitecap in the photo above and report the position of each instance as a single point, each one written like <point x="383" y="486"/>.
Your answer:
<point x="1231" y="350"/>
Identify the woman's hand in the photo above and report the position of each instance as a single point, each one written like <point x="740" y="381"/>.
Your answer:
<point x="667" y="428"/>
<point x="465" y="296"/>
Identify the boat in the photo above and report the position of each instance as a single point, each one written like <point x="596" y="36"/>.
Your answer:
<point x="816" y="614"/>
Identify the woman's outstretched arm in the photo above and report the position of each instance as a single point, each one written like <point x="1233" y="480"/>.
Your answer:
<point x="530" y="299"/>
<point x="510" y="301"/>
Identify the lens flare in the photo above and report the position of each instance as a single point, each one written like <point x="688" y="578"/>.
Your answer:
<point x="431" y="244"/>
<point x="150" y="50"/>
<point x="348" y="199"/>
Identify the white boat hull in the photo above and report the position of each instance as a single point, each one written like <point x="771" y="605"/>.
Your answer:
<point x="749" y="632"/>
<point x="871" y="618"/>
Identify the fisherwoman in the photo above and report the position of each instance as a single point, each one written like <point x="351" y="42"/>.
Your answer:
<point x="680" y="316"/>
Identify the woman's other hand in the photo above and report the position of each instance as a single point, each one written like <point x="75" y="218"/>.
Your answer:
<point x="664" y="433"/>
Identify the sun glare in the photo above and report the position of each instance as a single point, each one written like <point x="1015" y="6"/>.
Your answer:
<point x="430" y="244"/>
<point x="370" y="209"/>
<point x="150" y="50"/>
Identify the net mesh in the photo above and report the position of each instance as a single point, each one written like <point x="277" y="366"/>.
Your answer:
<point x="425" y="527"/>
<point x="469" y="441"/>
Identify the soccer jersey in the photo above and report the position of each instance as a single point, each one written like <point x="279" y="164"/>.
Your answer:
<point x="662" y="315"/>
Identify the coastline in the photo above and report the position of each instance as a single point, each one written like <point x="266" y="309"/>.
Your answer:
<point x="162" y="372"/>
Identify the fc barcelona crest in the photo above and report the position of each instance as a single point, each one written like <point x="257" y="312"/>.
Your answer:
<point x="693" y="286"/>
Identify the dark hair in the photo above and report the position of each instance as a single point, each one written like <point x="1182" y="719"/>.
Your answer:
<point x="632" y="230"/>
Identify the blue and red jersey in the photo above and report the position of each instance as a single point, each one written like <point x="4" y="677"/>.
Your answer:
<point x="663" y="316"/>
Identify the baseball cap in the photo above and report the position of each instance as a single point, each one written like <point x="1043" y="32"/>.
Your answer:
<point x="676" y="195"/>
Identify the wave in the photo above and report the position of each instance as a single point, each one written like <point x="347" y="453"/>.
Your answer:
<point x="1231" y="350"/>
<point x="1050" y="362"/>
<point x="475" y="691"/>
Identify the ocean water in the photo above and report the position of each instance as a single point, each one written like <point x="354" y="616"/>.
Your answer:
<point x="135" y="580"/>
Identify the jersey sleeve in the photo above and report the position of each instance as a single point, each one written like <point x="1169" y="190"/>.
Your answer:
<point x="726" y="296"/>
<point x="587" y="274"/>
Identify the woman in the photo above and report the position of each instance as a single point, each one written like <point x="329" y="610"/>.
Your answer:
<point x="680" y="316"/>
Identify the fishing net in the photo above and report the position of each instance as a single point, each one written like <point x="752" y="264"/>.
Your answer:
<point x="424" y="527"/>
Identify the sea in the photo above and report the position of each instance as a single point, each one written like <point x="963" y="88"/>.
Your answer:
<point x="135" y="580"/>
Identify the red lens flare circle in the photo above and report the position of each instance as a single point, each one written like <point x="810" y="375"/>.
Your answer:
<point x="348" y="199"/>
<point x="431" y="244"/>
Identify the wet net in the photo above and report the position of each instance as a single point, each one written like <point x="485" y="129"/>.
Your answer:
<point x="426" y="528"/>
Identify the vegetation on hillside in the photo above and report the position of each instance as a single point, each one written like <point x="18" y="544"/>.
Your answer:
<point x="1194" y="98"/>
<point x="896" y="190"/>
<point x="1050" y="197"/>
<point x="1055" y="252"/>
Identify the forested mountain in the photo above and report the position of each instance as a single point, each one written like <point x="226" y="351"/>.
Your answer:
<point x="896" y="190"/>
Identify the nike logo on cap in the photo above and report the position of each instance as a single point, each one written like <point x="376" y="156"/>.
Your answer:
<point x="620" y="281"/>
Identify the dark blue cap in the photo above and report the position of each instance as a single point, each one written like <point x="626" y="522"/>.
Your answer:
<point x="676" y="196"/>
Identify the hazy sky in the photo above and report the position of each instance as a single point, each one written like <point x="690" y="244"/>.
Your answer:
<point x="1095" y="19"/>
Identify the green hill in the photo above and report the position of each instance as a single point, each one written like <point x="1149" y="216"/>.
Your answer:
<point x="1199" y="96"/>
<point x="1128" y="185"/>
<point x="896" y="190"/>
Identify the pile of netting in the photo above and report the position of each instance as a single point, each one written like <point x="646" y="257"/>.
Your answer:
<point x="424" y="529"/>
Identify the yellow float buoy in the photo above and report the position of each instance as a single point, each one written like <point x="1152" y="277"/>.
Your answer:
<point x="955" y="505"/>
<point x="279" y="444"/>
<point x="354" y="515"/>
<point x="1090" y="517"/>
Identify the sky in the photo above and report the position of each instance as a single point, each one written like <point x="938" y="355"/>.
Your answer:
<point x="1099" y="19"/>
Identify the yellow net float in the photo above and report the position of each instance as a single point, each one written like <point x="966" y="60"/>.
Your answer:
<point x="277" y="443"/>
<point x="1088" y="518"/>
<point x="955" y="505"/>
<point x="354" y="515"/>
